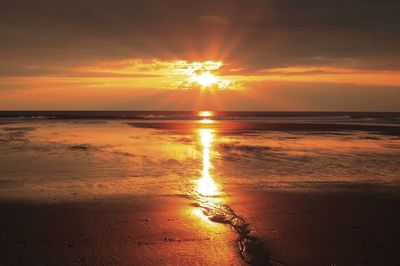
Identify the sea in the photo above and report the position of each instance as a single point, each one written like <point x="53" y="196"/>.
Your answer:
<point x="194" y="115"/>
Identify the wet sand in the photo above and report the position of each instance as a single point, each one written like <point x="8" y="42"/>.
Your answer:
<point x="114" y="231"/>
<point x="337" y="228"/>
<point x="198" y="193"/>
<point x="342" y="228"/>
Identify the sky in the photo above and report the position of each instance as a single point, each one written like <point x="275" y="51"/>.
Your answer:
<point x="265" y="55"/>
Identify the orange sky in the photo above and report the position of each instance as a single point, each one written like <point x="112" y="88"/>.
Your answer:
<point x="158" y="55"/>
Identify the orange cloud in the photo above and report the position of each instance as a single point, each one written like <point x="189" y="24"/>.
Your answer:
<point x="329" y="74"/>
<point x="156" y="73"/>
<point x="178" y="73"/>
<point x="171" y="84"/>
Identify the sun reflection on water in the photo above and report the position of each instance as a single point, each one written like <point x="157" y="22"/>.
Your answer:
<point x="212" y="209"/>
<point x="206" y="191"/>
<point x="206" y="186"/>
<point x="206" y="115"/>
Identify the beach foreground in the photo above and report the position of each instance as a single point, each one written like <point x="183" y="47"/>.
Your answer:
<point x="296" y="228"/>
<point x="122" y="192"/>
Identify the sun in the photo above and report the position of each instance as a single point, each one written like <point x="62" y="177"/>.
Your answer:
<point x="206" y="79"/>
<point x="203" y="75"/>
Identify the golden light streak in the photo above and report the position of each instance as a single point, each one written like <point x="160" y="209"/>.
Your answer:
<point x="206" y="186"/>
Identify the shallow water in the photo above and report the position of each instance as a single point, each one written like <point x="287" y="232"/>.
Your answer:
<point x="87" y="158"/>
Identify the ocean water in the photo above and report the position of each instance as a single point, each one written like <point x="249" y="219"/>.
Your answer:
<point x="188" y="115"/>
<point x="75" y="155"/>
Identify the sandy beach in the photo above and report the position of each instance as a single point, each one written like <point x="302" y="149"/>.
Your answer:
<point x="352" y="228"/>
<point x="118" y="231"/>
<point x="101" y="192"/>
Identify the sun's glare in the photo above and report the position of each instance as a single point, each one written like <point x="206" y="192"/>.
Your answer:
<point x="206" y="79"/>
<point x="206" y="114"/>
<point x="204" y="75"/>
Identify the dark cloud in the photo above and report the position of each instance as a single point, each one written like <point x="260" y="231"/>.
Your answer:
<point x="257" y="34"/>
